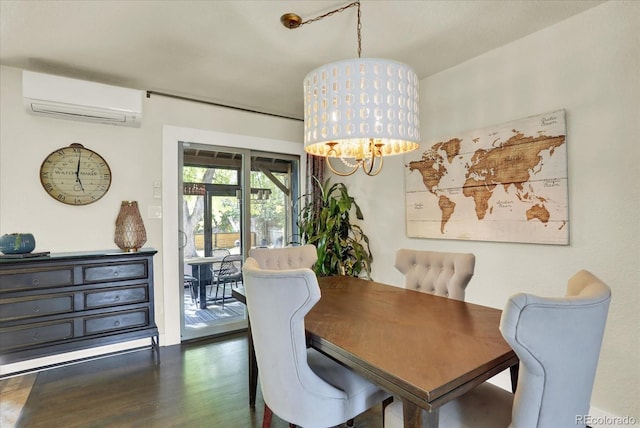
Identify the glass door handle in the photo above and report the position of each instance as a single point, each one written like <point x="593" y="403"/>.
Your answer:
<point x="182" y="239"/>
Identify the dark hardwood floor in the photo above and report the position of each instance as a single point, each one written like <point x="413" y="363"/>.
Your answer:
<point x="201" y="384"/>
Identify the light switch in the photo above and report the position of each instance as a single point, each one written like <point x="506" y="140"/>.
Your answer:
<point x="157" y="189"/>
<point x="154" y="211"/>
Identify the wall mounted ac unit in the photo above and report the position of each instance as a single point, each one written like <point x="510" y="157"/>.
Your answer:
<point x="65" y="98"/>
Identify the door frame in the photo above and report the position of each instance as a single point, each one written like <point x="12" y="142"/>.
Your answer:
<point x="167" y="294"/>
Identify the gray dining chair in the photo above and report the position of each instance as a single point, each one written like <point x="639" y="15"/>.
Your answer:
<point x="440" y="273"/>
<point x="302" y="256"/>
<point x="299" y="384"/>
<point x="558" y="341"/>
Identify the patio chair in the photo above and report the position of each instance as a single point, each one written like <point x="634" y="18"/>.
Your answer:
<point x="229" y="272"/>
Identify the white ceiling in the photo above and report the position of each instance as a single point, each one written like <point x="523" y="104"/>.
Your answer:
<point x="237" y="53"/>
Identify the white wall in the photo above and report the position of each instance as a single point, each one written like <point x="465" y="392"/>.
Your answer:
<point x="135" y="156"/>
<point x="589" y="65"/>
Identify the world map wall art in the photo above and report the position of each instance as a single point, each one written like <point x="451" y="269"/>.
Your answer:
<point x="504" y="183"/>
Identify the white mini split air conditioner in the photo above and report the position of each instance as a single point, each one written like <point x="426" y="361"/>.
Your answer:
<point x="66" y="98"/>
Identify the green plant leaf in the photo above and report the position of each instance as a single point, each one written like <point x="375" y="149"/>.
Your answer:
<point x="343" y="248"/>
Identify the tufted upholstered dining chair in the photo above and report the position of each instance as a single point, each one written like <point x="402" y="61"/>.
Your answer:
<point x="558" y="341"/>
<point x="439" y="273"/>
<point x="299" y="384"/>
<point x="286" y="257"/>
<point x="283" y="258"/>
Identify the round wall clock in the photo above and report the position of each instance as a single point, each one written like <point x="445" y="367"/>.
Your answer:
<point x="75" y="175"/>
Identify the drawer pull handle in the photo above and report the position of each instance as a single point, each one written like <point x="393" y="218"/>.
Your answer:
<point x="36" y="309"/>
<point x="117" y="298"/>
<point x="115" y="273"/>
<point x="35" y="282"/>
<point x="117" y="323"/>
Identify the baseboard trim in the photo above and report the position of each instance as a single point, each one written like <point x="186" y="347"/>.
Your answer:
<point x="38" y="365"/>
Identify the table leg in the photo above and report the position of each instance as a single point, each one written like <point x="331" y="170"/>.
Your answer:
<point x="415" y="417"/>
<point x="514" y="376"/>
<point x="202" y="287"/>
<point x="253" y="367"/>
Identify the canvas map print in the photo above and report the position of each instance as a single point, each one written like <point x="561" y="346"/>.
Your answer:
<point x="503" y="183"/>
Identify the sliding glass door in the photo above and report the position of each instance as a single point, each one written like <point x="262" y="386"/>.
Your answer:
<point x="232" y="200"/>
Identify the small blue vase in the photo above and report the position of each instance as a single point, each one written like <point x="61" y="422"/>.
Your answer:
<point x="17" y="243"/>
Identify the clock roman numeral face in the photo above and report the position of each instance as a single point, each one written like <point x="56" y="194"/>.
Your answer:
<point x="75" y="175"/>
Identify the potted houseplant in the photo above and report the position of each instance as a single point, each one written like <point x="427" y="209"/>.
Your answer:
<point x="343" y="248"/>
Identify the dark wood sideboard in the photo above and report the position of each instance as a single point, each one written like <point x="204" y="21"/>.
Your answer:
<point x="70" y="301"/>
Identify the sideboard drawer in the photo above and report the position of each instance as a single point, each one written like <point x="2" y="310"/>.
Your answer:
<point x="35" y="334"/>
<point x="37" y="279"/>
<point x="116" y="297"/>
<point x="115" y="272"/>
<point x="116" y="321"/>
<point x="36" y="307"/>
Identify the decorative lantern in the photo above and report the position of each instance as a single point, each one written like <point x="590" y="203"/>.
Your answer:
<point x="130" y="233"/>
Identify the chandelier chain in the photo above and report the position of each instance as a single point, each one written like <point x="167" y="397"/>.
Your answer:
<point x="342" y="9"/>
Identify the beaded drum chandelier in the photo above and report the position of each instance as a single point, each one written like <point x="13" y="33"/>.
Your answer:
<point x="359" y="110"/>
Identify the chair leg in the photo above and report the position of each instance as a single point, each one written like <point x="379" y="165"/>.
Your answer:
<point x="385" y="403"/>
<point x="224" y="290"/>
<point x="268" y="415"/>
<point x="194" y="292"/>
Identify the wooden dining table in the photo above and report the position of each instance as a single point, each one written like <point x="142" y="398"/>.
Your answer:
<point x="424" y="349"/>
